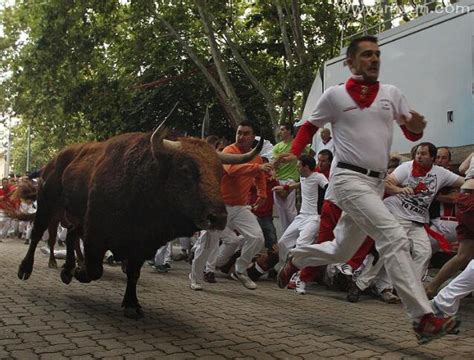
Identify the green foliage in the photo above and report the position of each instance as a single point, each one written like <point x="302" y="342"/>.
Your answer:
<point x="88" y="69"/>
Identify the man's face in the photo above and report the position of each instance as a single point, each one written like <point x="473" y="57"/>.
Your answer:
<point x="423" y="156"/>
<point x="325" y="135"/>
<point x="244" y="137"/>
<point x="284" y="133"/>
<point x="302" y="169"/>
<point x="323" y="162"/>
<point x="366" y="61"/>
<point x="442" y="157"/>
<point x="5" y="183"/>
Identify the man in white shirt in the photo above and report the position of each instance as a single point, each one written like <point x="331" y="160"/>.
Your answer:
<point x="326" y="141"/>
<point x="362" y="113"/>
<point x="305" y="226"/>
<point x="413" y="186"/>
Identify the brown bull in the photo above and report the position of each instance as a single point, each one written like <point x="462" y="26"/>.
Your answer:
<point x="130" y="194"/>
<point x="27" y="190"/>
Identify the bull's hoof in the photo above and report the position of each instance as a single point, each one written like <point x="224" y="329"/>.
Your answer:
<point x="24" y="271"/>
<point x="81" y="276"/>
<point x="133" y="312"/>
<point x="66" y="276"/>
<point x="52" y="264"/>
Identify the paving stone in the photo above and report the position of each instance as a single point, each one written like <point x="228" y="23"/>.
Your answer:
<point x="42" y="318"/>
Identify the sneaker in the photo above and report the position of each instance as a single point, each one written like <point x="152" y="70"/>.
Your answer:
<point x="300" y="286"/>
<point x="194" y="284"/>
<point x="210" y="277"/>
<point x="244" y="279"/>
<point x="292" y="283"/>
<point x="285" y="273"/>
<point x="438" y="312"/>
<point x="109" y="260"/>
<point x="160" y="268"/>
<point x="167" y="265"/>
<point x="345" y="269"/>
<point x="389" y="297"/>
<point x="150" y="262"/>
<point x="353" y="294"/>
<point x="432" y="327"/>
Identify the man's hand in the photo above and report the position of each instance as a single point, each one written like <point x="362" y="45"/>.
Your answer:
<point x="284" y="158"/>
<point x="258" y="203"/>
<point x="416" y="124"/>
<point x="267" y="167"/>
<point x="406" y="191"/>
<point x="281" y="192"/>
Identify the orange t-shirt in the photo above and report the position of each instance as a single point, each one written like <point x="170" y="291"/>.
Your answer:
<point x="238" y="179"/>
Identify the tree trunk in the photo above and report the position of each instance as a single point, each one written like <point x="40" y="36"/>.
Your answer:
<point x="234" y="117"/>
<point x="220" y="65"/>
<point x="269" y="101"/>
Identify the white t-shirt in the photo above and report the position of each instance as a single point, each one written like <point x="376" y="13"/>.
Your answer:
<point x="470" y="171"/>
<point x="415" y="207"/>
<point x="309" y="192"/>
<point x="328" y="146"/>
<point x="362" y="137"/>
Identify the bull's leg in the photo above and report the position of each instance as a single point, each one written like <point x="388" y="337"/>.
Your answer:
<point x="93" y="257"/>
<point x="72" y="238"/>
<point x="52" y="232"/>
<point x="39" y="227"/>
<point x="132" y="308"/>
<point x="80" y="257"/>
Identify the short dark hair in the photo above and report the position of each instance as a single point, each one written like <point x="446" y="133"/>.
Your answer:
<point x="308" y="161"/>
<point x="327" y="153"/>
<point x="249" y="124"/>
<point x="394" y="162"/>
<point x="449" y="151"/>
<point x="288" y="126"/>
<point x="431" y="149"/>
<point x="354" y="44"/>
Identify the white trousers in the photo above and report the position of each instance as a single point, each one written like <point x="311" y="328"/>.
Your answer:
<point x="303" y="230"/>
<point x="373" y="275"/>
<point x="286" y="207"/>
<point x="447" y="228"/>
<point x="163" y="254"/>
<point x="449" y="297"/>
<point x="245" y="222"/>
<point x="420" y="248"/>
<point x="360" y="198"/>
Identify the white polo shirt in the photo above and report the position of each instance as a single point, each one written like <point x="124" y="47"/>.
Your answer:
<point x="362" y="137"/>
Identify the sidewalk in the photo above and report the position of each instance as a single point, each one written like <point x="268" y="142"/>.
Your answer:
<point x="43" y="318"/>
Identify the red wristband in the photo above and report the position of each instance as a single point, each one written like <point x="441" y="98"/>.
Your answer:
<point x="286" y="187"/>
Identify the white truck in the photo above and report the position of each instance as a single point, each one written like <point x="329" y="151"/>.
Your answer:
<point x="431" y="59"/>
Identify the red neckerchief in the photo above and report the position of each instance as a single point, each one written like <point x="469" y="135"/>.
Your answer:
<point x="325" y="173"/>
<point x="362" y="92"/>
<point x="418" y="170"/>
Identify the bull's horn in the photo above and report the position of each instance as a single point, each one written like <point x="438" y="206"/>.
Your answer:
<point x="241" y="158"/>
<point x="157" y="141"/>
<point x="171" y="145"/>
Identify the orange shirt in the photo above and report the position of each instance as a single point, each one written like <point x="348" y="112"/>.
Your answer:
<point x="238" y="179"/>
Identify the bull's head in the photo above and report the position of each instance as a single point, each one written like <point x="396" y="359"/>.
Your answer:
<point x="196" y="172"/>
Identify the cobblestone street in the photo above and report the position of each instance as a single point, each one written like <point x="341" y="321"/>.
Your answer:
<point x="43" y="318"/>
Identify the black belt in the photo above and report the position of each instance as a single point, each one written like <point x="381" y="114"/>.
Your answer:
<point x="371" y="173"/>
<point x="467" y="191"/>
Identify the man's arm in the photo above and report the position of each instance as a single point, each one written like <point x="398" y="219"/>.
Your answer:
<point x="413" y="126"/>
<point x="392" y="187"/>
<point x="465" y="164"/>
